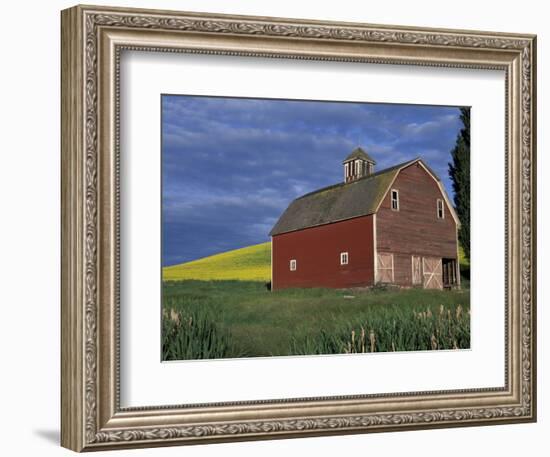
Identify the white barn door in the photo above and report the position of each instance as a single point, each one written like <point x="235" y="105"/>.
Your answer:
<point x="384" y="272"/>
<point x="433" y="273"/>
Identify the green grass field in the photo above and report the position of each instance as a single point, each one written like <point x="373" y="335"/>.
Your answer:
<point x="252" y="263"/>
<point x="213" y="319"/>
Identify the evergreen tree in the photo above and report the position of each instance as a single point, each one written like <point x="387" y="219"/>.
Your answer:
<point x="459" y="172"/>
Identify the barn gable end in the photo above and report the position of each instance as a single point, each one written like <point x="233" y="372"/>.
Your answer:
<point x="415" y="228"/>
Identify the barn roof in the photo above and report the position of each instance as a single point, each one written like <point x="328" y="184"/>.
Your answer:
<point x="359" y="153"/>
<point x="339" y="202"/>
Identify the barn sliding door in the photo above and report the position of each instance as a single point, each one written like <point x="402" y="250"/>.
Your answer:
<point x="433" y="273"/>
<point x="385" y="268"/>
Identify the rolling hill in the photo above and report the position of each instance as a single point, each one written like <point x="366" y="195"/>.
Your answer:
<point x="252" y="263"/>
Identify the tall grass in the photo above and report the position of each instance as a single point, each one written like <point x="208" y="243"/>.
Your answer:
<point x="194" y="334"/>
<point x="413" y="331"/>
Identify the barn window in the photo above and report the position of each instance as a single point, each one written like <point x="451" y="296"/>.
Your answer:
<point x="293" y="265"/>
<point x="440" y="209"/>
<point x="344" y="258"/>
<point x="394" y="200"/>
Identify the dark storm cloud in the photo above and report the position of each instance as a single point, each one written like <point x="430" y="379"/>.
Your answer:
<point x="231" y="166"/>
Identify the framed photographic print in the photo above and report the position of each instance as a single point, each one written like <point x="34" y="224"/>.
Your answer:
<point x="281" y="228"/>
<point x="320" y="246"/>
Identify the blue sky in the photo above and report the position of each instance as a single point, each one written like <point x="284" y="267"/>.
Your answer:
<point x="232" y="165"/>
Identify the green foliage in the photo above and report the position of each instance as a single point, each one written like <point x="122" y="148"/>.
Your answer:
<point x="459" y="172"/>
<point x="242" y="318"/>
<point x="464" y="261"/>
<point x="464" y="265"/>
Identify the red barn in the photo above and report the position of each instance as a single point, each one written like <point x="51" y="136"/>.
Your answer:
<point x="393" y="226"/>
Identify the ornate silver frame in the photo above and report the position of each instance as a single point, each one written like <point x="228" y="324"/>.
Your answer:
<point x="92" y="40"/>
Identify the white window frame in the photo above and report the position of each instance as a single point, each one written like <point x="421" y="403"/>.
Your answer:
<point x="346" y="171"/>
<point x="396" y="199"/>
<point x="344" y="255"/>
<point x="293" y="265"/>
<point x="440" y="202"/>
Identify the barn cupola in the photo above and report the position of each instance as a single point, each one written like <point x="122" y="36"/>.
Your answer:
<point x="358" y="165"/>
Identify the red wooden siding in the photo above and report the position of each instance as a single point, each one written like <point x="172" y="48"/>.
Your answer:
<point x="317" y="254"/>
<point x="415" y="229"/>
